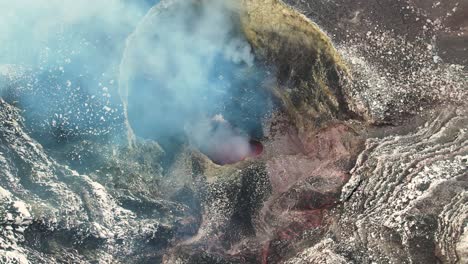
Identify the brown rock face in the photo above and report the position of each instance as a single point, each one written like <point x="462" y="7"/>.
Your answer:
<point x="309" y="70"/>
<point x="397" y="200"/>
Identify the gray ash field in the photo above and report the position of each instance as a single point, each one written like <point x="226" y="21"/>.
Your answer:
<point x="219" y="132"/>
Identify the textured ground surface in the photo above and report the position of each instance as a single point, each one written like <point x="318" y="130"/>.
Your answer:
<point x="368" y="166"/>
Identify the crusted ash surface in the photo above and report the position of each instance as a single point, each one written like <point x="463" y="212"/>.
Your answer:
<point x="52" y="214"/>
<point x="413" y="197"/>
<point x="408" y="60"/>
<point x="406" y="55"/>
<point x="309" y="158"/>
<point x="364" y="162"/>
<point x="405" y="196"/>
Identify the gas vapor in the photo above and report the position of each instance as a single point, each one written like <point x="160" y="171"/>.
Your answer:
<point x="29" y="27"/>
<point x="187" y="62"/>
<point x="68" y="54"/>
<point x="172" y="68"/>
<point x="219" y="140"/>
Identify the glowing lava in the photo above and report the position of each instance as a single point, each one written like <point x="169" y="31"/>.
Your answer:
<point x="231" y="151"/>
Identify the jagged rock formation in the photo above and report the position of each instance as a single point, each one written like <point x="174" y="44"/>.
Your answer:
<point x="304" y="187"/>
<point x="405" y="194"/>
<point x="415" y="195"/>
<point x="52" y="214"/>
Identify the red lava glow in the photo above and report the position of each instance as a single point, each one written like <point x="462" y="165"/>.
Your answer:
<point x="227" y="153"/>
<point x="256" y="148"/>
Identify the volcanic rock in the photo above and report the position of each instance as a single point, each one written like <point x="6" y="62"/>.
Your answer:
<point x="364" y="158"/>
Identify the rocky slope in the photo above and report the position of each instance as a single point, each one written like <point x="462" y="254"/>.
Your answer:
<point x="52" y="214"/>
<point x="405" y="195"/>
<point x="365" y="156"/>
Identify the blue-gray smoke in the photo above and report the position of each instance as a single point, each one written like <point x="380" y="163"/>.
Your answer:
<point x="60" y="61"/>
<point x="186" y="63"/>
<point x="63" y="61"/>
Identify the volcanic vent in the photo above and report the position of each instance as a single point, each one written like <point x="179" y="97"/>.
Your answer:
<point x="190" y="76"/>
<point x="223" y="143"/>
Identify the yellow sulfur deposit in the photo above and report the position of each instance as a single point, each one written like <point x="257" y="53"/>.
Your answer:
<point x="309" y="69"/>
